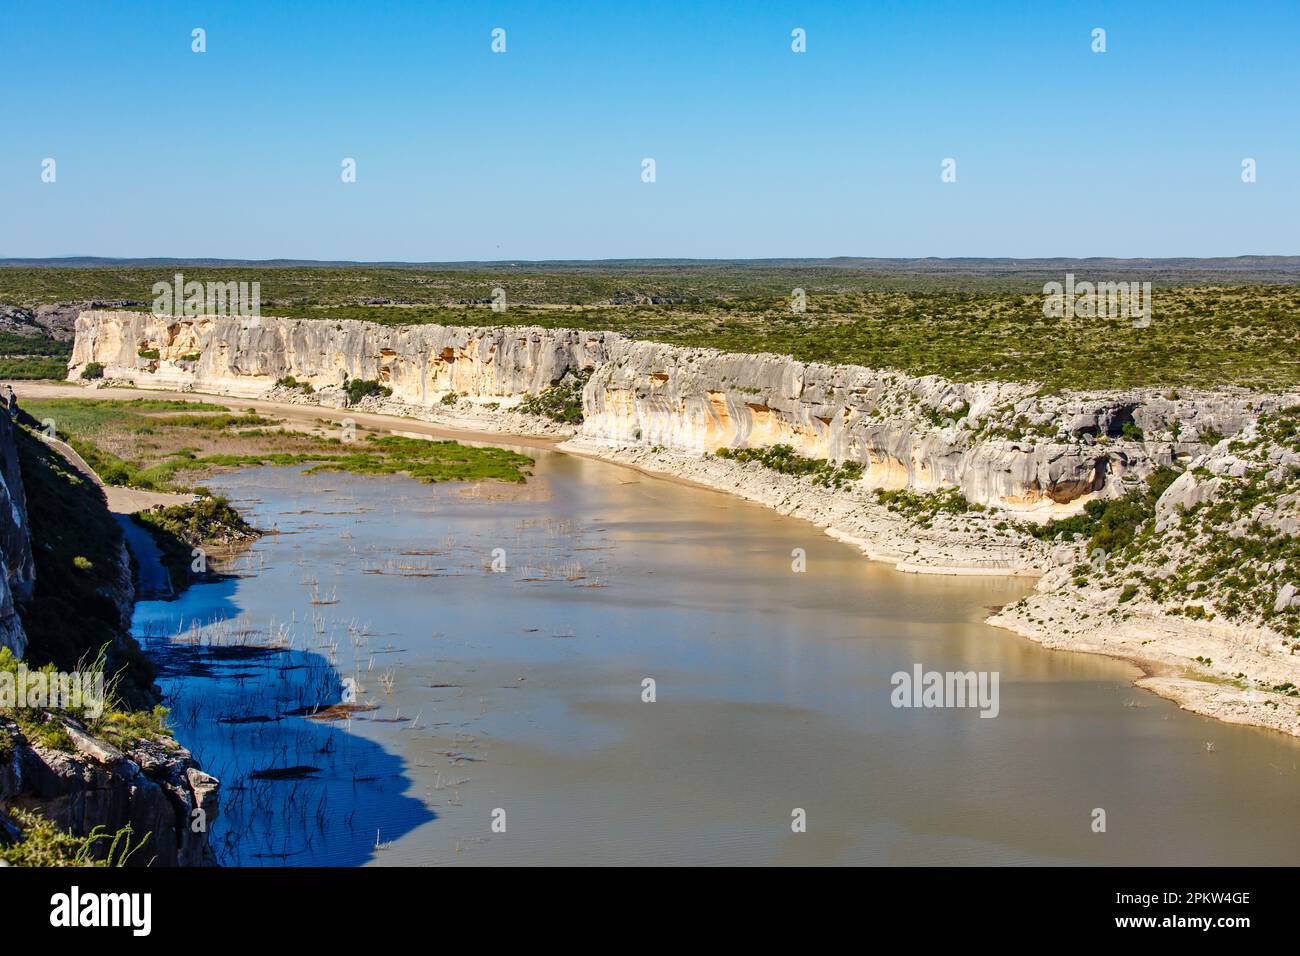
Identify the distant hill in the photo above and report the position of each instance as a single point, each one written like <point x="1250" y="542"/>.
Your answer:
<point x="1260" y="265"/>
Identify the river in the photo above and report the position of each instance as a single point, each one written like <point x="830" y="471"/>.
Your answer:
<point x="513" y="700"/>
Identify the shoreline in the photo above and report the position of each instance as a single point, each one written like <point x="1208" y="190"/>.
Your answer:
<point x="951" y="545"/>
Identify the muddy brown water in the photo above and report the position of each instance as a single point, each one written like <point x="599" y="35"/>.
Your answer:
<point x="516" y="696"/>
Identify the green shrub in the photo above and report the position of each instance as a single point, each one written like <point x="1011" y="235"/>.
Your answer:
<point x="359" y="388"/>
<point x="562" y="402"/>
<point x="782" y="458"/>
<point x="1110" y="524"/>
<point x="44" y="844"/>
<point x="924" y="507"/>
<point x="288" y="381"/>
<point x="93" y="370"/>
<point x="178" y="529"/>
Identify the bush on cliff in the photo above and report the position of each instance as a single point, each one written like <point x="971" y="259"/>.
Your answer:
<point x="42" y="843"/>
<point x="561" y="402"/>
<point x="288" y="381"/>
<point x="1110" y="524"/>
<point x="359" y="388"/>
<point x="782" y="458"/>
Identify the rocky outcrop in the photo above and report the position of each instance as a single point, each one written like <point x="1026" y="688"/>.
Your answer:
<point x="1002" y="444"/>
<point x="245" y="356"/>
<point x="58" y="320"/>
<point x="17" y="570"/>
<point x="1208" y="598"/>
<point x="155" y="788"/>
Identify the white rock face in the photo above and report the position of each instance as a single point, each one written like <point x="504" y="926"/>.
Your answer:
<point x="1185" y="493"/>
<point x="420" y="363"/>
<point x="1287" y="596"/>
<point x="1001" y="443"/>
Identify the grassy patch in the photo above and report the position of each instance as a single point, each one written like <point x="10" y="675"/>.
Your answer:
<point x="33" y="356"/>
<point x="33" y="367"/>
<point x="431" y="461"/>
<point x="116" y="722"/>
<point x="428" y="461"/>
<point x="179" y="529"/>
<point x="169" y="440"/>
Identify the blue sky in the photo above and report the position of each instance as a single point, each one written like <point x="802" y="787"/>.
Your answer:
<point x="536" y="153"/>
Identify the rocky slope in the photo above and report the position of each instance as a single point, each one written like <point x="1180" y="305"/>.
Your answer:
<point x="1206" y="589"/>
<point x="935" y="475"/>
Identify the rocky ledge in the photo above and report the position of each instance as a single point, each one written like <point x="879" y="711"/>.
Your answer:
<point x="93" y="788"/>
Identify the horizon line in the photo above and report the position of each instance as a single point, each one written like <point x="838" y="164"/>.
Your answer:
<point x="90" y="261"/>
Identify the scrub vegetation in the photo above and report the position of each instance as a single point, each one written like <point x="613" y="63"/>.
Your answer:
<point x="207" y="524"/>
<point x="561" y="402"/>
<point x="1230" y="554"/>
<point x="1210" y="327"/>
<point x="783" y="459"/>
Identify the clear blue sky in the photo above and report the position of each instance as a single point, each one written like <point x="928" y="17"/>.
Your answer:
<point x="535" y="154"/>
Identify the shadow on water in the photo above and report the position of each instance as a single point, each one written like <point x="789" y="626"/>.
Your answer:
<point x="295" y="790"/>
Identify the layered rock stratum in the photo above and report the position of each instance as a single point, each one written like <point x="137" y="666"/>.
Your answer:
<point x="1002" y="444"/>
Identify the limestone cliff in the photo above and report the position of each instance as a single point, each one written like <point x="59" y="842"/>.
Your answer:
<point x="1002" y="444"/>
<point x="16" y="566"/>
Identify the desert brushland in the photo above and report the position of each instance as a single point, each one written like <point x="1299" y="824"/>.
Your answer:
<point x="1217" y="325"/>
